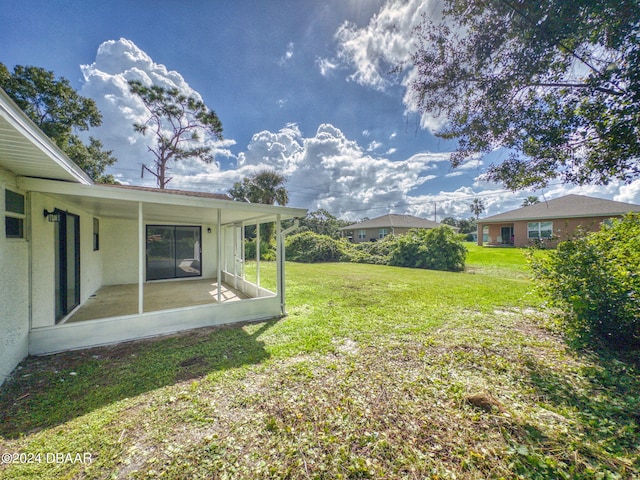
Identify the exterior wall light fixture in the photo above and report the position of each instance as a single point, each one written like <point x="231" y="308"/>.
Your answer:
<point x="52" y="216"/>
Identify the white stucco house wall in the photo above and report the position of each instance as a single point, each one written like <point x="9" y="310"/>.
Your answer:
<point x="65" y="238"/>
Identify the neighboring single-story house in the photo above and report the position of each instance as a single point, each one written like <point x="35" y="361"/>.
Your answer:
<point x="84" y="264"/>
<point x="379" y="227"/>
<point x="550" y="222"/>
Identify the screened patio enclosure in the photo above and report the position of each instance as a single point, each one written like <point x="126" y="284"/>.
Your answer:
<point x="147" y="237"/>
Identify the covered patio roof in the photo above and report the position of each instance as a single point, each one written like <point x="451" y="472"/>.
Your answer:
<point x="110" y="201"/>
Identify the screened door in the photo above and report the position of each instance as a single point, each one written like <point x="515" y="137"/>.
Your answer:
<point x="173" y="252"/>
<point x="67" y="263"/>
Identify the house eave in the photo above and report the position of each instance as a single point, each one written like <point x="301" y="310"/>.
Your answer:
<point x="538" y="218"/>
<point x="26" y="150"/>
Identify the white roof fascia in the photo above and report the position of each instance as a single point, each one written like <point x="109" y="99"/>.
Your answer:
<point x="25" y="126"/>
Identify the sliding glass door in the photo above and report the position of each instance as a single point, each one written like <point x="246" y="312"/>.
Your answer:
<point x="67" y="263"/>
<point x="173" y="252"/>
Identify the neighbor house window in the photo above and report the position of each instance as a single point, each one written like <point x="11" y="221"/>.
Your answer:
<point x="539" y="230"/>
<point x="383" y="232"/>
<point x="14" y="214"/>
<point x="362" y="234"/>
<point x="96" y="234"/>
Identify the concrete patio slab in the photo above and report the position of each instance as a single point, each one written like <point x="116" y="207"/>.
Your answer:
<point x="117" y="300"/>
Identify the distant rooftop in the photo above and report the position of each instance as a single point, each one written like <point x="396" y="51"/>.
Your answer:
<point x="395" y="221"/>
<point x="569" y="206"/>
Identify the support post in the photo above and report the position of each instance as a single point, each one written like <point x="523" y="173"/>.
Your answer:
<point x="219" y="245"/>
<point x="280" y="264"/>
<point x="236" y="234"/>
<point x="258" y="256"/>
<point x="242" y="239"/>
<point x="141" y="255"/>
<point x="281" y="259"/>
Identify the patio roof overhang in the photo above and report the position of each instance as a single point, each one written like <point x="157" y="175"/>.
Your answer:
<point x="105" y="201"/>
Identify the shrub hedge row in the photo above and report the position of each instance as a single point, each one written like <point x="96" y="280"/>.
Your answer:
<point x="437" y="249"/>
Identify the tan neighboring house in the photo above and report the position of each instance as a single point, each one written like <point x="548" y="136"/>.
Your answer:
<point x="551" y="221"/>
<point x="379" y="227"/>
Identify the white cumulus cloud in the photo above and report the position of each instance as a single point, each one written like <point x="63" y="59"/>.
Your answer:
<point x="385" y="42"/>
<point x="372" y="51"/>
<point x="106" y="81"/>
<point x="330" y="171"/>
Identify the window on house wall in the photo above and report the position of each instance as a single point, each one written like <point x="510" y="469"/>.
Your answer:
<point x="96" y="234"/>
<point x="14" y="214"/>
<point x="383" y="232"/>
<point x="539" y="230"/>
<point x="362" y="234"/>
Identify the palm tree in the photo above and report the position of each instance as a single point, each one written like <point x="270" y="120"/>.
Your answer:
<point x="268" y="187"/>
<point x="477" y="207"/>
<point x="530" y="200"/>
<point x="265" y="187"/>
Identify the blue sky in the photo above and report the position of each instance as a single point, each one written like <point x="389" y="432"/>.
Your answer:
<point x="300" y="86"/>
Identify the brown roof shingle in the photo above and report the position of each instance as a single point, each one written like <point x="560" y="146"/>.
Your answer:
<point x="569" y="206"/>
<point x="217" y="196"/>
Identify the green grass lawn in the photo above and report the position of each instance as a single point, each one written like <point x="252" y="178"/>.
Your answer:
<point x="377" y="372"/>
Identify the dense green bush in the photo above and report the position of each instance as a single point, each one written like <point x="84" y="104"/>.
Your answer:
<point x="377" y="253"/>
<point x="309" y="247"/>
<point x="595" y="280"/>
<point x="267" y="250"/>
<point x="436" y="249"/>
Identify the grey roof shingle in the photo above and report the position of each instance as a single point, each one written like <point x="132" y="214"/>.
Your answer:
<point x="569" y="206"/>
<point x="394" y="221"/>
